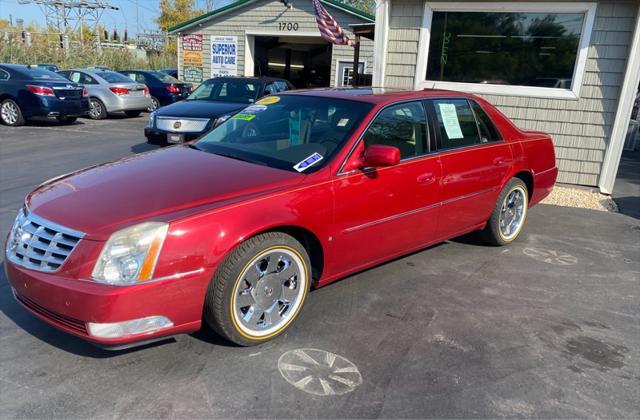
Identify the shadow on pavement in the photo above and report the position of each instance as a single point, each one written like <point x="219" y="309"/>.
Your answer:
<point x="143" y="147"/>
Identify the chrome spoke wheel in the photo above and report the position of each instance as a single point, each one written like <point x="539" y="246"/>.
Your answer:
<point x="154" y="105"/>
<point x="512" y="213"/>
<point x="9" y="113"/>
<point x="269" y="291"/>
<point x="95" y="109"/>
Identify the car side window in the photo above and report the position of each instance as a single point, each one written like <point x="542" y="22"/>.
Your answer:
<point x="281" y="85"/>
<point x="402" y="126"/>
<point x="488" y="130"/>
<point x="456" y="123"/>
<point x="4" y="75"/>
<point x="85" y="79"/>
<point x="138" y="77"/>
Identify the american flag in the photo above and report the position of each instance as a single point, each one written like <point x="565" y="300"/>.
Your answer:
<point x="329" y="28"/>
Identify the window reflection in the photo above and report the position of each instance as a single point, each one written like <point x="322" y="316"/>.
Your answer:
<point x="527" y="49"/>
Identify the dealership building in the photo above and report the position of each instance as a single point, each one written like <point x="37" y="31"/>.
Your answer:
<point x="568" y="68"/>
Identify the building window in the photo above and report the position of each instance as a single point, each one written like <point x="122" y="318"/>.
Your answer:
<point x="526" y="49"/>
<point x="529" y="49"/>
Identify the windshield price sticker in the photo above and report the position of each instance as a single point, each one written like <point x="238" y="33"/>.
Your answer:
<point x="268" y="100"/>
<point x="308" y="162"/>
<point x="343" y="122"/>
<point x="254" y="109"/>
<point x="244" y="117"/>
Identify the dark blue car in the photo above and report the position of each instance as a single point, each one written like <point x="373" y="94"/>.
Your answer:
<point x="29" y="92"/>
<point x="164" y="89"/>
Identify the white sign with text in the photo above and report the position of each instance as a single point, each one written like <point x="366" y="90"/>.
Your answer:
<point x="224" y="56"/>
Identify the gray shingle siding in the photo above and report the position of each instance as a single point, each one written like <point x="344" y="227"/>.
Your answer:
<point x="580" y="128"/>
<point x="264" y="16"/>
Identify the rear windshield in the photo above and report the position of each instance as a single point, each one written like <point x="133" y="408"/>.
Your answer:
<point x="113" y="77"/>
<point x="36" y="73"/>
<point x="292" y="132"/>
<point x="165" y="77"/>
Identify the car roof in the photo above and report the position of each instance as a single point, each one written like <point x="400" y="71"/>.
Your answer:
<point x="376" y="95"/>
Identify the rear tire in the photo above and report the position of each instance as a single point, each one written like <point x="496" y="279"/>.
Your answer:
<point x="509" y="214"/>
<point x="132" y="114"/>
<point x="155" y="104"/>
<point x="97" y="110"/>
<point x="11" y="114"/>
<point x="259" y="289"/>
<point x="66" y="120"/>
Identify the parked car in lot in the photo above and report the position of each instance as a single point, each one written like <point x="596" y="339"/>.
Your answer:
<point x="164" y="89"/>
<point x="208" y="106"/>
<point x="173" y="72"/>
<point x="294" y="191"/>
<point x="110" y="92"/>
<point x="29" y="92"/>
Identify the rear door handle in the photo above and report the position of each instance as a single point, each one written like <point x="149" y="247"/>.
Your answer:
<point x="499" y="161"/>
<point x="427" y="178"/>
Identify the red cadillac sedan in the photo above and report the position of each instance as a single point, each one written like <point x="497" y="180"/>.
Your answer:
<point x="295" y="191"/>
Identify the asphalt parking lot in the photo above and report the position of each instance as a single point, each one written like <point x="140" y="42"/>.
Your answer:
<point x="547" y="327"/>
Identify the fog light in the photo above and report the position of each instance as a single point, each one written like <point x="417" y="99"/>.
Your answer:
<point x="135" y="326"/>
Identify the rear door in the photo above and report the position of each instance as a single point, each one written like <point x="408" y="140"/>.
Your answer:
<point x="475" y="161"/>
<point x="383" y="212"/>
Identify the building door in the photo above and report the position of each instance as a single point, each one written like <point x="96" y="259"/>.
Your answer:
<point x="304" y="61"/>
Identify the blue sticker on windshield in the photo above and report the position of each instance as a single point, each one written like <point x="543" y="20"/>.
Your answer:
<point x="254" y="109"/>
<point x="308" y="162"/>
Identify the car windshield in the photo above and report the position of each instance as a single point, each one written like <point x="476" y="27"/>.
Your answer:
<point x="291" y="132"/>
<point x="231" y="90"/>
<point x="36" y="73"/>
<point x="165" y="77"/>
<point x="113" y="77"/>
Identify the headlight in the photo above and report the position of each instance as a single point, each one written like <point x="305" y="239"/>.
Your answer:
<point x="130" y="255"/>
<point x="152" y="120"/>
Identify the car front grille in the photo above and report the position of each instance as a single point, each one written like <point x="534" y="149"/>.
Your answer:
<point x="39" y="244"/>
<point x="182" y="125"/>
<point x="51" y="316"/>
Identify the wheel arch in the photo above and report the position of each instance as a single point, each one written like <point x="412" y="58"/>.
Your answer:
<point x="527" y="178"/>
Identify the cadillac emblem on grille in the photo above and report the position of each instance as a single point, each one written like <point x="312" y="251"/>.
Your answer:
<point x="39" y="244"/>
<point x="177" y="124"/>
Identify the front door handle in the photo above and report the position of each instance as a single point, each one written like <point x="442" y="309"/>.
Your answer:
<point x="499" y="161"/>
<point x="428" y="178"/>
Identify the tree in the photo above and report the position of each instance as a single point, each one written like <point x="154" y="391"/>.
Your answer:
<point x="172" y="12"/>
<point x="368" y="6"/>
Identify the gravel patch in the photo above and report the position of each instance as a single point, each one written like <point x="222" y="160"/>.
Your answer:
<point x="580" y="198"/>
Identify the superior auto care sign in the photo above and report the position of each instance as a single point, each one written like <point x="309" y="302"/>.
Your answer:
<point x="224" y="56"/>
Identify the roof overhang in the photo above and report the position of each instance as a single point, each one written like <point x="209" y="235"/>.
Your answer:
<point x="199" y="20"/>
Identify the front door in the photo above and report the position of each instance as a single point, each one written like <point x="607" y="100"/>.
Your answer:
<point x="384" y="212"/>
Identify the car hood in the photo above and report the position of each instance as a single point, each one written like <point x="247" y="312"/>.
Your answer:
<point x="161" y="185"/>
<point x="199" y="109"/>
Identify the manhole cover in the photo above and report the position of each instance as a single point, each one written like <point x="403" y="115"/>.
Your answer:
<point x="550" y="256"/>
<point x="319" y="372"/>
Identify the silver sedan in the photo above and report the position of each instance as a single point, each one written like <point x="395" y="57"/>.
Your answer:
<point x="110" y="92"/>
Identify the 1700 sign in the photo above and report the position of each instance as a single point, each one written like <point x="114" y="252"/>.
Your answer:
<point x="288" y="26"/>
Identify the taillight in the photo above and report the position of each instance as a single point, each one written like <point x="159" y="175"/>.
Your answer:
<point x="146" y="90"/>
<point x="119" y="90"/>
<point x="85" y="92"/>
<point x="40" y="90"/>
<point x="173" y="89"/>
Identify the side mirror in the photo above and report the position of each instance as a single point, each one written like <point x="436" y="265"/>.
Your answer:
<point x="378" y="155"/>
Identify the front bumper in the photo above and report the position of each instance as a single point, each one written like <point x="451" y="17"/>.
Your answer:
<point x="69" y="304"/>
<point x="162" y="138"/>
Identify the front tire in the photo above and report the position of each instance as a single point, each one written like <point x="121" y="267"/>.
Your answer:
<point x="509" y="214"/>
<point x="155" y="104"/>
<point x="259" y="289"/>
<point x="11" y="114"/>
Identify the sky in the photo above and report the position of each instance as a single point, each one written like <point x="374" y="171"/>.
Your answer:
<point x="148" y="10"/>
